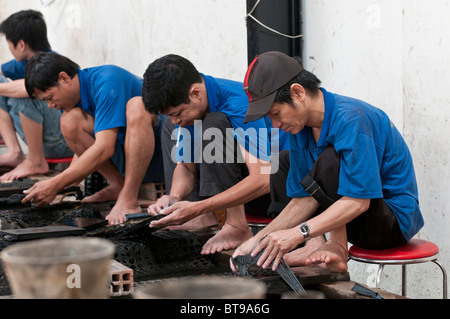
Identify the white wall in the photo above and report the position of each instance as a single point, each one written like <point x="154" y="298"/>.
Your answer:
<point x="391" y="53"/>
<point x="395" y="55"/>
<point x="427" y="112"/>
<point x="355" y="47"/>
<point x="133" y="33"/>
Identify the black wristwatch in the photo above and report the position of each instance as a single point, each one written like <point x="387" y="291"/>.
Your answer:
<point x="304" y="230"/>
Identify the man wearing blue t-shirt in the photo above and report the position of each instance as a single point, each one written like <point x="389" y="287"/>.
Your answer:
<point x="217" y="161"/>
<point x="32" y="120"/>
<point x="106" y="125"/>
<point x="351" y="173"/>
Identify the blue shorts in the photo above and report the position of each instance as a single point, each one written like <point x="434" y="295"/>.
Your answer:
<point x="155" y="171"/>
<point x="54" y="143"/>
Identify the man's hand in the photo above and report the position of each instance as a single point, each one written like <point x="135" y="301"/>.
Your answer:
<point x="243" y="250"/>
<point x="41" y="194"/>
<point x="177" y="214"/>
<point x="276" y="245"/>
<point x="161" y="204"/>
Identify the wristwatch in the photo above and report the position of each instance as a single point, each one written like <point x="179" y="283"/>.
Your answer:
<point x="304" y="230"/>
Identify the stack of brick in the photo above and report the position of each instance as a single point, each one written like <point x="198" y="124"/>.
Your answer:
<point x="122" y="282"/>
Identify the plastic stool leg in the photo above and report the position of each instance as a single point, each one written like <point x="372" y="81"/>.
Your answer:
<point x="404" y="280"/>
<point x="380" y="272"/>
<point x="444" y="274"/>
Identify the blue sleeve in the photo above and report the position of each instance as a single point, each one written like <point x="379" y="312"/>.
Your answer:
<point x="111" y="105"/>
<point x="14" y="70"/>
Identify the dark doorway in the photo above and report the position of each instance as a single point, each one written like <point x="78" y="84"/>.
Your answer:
<point x="283" y="16"/>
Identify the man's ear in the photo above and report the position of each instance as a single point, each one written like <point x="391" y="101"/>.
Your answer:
<point x="21" y="45"/>
<point x="64" y="78"/>
<point x="298" y="91"/>
<point x="195" y="93"/>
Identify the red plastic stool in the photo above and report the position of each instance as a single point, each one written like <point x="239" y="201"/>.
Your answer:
<point x="415" y="252"/>
<point x="59" y="160"/>
<point x="257" y="223"/>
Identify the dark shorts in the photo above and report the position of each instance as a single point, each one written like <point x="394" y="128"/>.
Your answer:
<point x="155" y="171"/>
<point x="212" y="178"/>
<point x="377" y="228"/>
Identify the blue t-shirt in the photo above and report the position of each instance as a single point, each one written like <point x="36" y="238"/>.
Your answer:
<point x="105" y="92"/>
<point x="14" y="70"/>
<point x="259" y="137"/>
<point x="375" y="160"/>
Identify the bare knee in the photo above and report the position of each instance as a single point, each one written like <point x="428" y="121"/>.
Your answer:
<point x="75" y="123"/>
<point x="137" y="114"/>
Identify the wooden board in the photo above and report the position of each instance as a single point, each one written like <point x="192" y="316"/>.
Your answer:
<point x="41" y="233"/>
<point x="343" y="290"/>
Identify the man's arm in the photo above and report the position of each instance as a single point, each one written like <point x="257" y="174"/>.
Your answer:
<point x="253" y="186"/>
<point x="15" y="89"/>
<point x="184" y="179"/>
<point x="101" y="151"/>
<point x="183" y="183"/>
<point x="283" y="235"/>
<point x="296" y="212"/>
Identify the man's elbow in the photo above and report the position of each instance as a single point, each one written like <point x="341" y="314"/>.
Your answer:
<point x="107" y="153"/>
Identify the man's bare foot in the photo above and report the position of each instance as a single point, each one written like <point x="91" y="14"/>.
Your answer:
<point x="11" y="160"/>
<point x="229" y="237"/>
<point x="202" y="221"/>
<point x="120" y="210"/>
<point x="25" y="169"/>
<point x="333" y="255"/>
<point x="299" y="256"/>
<point x="109" y="194"/>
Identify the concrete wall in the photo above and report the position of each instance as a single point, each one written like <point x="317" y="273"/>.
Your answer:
<point x="391" y="53"/>
<point x="395" y="55"/>
<point x="133" y="33"/>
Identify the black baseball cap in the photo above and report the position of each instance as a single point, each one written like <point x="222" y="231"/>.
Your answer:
<point x="268" y="73"/>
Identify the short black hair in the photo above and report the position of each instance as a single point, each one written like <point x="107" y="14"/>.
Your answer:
<point x="43" y="70"/>
<point x="308" y="80"/>
<point x="167" y="83"/>
<point x="29" y="26"/>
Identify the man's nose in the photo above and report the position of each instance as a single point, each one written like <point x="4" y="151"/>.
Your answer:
<point x="276" y="123"/>
<point x="50" y="104"/>
<point x="175" y="121"/>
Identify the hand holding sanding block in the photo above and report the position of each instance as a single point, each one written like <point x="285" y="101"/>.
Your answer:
<point x="243" y="264"/>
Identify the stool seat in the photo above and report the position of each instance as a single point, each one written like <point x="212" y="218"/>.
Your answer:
<point x="258" y="220"/>
<point x="415" y="249"/>
<point x="415" y="252"/>
<point x="257" y="223"/>
<point x="59" y="160"/>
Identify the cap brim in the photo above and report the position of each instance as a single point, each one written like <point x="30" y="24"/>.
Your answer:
<point x="258" y="109"/>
